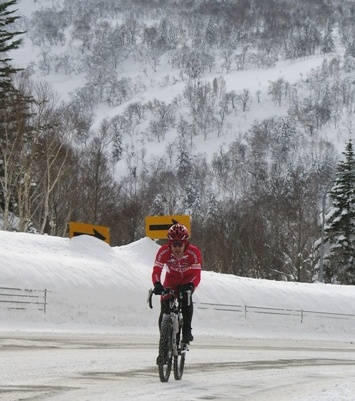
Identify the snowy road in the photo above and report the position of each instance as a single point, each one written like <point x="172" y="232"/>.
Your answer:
<point x="62" y="366"/>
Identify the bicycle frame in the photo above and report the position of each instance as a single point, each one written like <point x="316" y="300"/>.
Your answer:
<point x="175" y="306"/>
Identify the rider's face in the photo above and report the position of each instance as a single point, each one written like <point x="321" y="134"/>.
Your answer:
<point x="177" y="248"/>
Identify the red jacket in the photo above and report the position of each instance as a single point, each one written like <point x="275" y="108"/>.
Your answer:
<point x="178" y="271"/>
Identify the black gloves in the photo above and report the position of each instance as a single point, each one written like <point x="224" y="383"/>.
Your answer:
<point x="186" y="287"/>
<point x="158" y="288"/>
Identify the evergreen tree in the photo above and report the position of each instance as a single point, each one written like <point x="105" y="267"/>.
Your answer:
<point x="327" y="43"/>
<point x="158" y="205"/>
<point x="192" y="201"/>
<point x="183" y="159"/>
<point x="9" y="98"/>
<point x="213" y="207"/>
<point x="7" y="43"/>
<point x="340" y="230"/>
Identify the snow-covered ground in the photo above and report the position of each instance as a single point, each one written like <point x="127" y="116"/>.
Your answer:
<point x="97" y="294"/>
<point x="255" y="80"/>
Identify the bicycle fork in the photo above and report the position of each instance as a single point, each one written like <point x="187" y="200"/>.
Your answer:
<point x="178" y="346"/>
<point x="175" y="333"/>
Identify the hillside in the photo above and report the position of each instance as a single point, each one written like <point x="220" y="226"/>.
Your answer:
<point x="57" y="54"/>
<point x="235" y="113"/>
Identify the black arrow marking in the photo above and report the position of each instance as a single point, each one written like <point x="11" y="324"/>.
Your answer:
<point x="96" y="234"/>
<point x="161" y="227"/>
<point x="99" y="235"/>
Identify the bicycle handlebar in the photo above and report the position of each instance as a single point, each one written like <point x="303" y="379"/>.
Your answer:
<point x="149" y="300"/>
<point x="166" y="291"/>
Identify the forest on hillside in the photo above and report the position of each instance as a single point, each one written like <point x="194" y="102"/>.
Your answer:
<point x="255" y="207"/>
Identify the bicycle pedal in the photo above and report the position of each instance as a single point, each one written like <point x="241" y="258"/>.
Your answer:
<point x="183" y="349"/>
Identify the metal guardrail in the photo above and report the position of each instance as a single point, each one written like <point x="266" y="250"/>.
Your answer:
<point x="302" y="313"/>
<point x="23" y="298"/>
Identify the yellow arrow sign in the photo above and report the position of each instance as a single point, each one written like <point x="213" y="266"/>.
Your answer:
<point x="156" y="227"/>
<point x="99" y="232"/>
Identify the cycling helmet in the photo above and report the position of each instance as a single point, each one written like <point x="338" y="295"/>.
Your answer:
<point x="178" y="232"/>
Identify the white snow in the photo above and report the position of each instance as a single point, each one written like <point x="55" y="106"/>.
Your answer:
<point x="95" y="288"/>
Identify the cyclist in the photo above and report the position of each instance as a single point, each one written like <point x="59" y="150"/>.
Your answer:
<point x="183" y="263"/>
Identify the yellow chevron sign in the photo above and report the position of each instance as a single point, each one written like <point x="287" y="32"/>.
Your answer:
<point x="99" y="232"/>
<point x="156" y="227"/>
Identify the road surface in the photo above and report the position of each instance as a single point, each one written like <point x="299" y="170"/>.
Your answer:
<point x="101" y="366"/>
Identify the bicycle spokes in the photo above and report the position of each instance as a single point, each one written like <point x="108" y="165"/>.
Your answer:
<point x="165" y="357"/>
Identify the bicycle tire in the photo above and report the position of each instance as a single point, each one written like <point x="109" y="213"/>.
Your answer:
<point x="179" y="362"/>
<point x="165" y="358"/>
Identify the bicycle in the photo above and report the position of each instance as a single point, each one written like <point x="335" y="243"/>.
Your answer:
<point x="171" y="349"/>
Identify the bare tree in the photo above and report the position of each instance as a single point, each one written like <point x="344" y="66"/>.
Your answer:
<point x="276" y="90"/>
<point x="51" y="150"/>
<point x="98" y="189"/>
<point x="244" y="99"/>
<point x="12" y="156"/>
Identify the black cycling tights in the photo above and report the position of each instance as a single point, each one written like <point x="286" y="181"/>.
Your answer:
<point x="187" y="311"/>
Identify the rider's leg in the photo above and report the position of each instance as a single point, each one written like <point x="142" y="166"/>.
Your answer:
<point x="164" y="308"/>
<point x="187" y="313"/>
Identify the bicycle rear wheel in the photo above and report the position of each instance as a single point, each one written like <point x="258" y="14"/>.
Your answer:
<point x="165" y="358"/>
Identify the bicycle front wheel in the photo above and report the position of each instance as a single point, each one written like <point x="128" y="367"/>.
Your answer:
<point x="165" y="358"/>
<point x="179" y="362"/>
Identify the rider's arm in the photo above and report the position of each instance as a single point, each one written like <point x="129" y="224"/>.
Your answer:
<point x="159" y="264"/>
<point x="195" y="258"/>
<point x="156" y="275"/>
